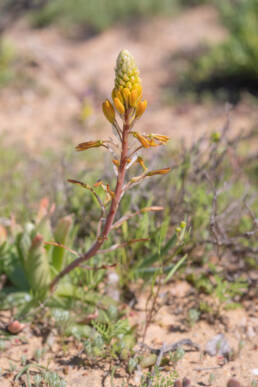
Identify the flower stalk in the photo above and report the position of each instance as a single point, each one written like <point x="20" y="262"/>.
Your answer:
<point x="127" y="103"/>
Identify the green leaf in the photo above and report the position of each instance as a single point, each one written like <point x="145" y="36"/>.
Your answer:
<point x="61" y="235"/>
<point x="175" y="268"/>
<point x="23" y="243"/>
<point x="66" y="289"/>
<point x="79" y="331"/>
<point x="37" y="266"/>
<point x="163" y="251"/>
<point x="16" y="275"/>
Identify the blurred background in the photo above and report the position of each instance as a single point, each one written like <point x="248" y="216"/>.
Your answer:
<point x="56" y="66"/>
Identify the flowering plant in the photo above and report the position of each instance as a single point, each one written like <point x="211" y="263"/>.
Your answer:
<point x="129" y="107"/>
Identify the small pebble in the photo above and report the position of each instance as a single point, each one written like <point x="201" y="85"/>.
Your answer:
<point x="233" y="383"/>
<point x="15" y="327"/>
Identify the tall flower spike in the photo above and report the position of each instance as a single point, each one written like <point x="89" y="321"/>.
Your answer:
<point x="127" y="98"/>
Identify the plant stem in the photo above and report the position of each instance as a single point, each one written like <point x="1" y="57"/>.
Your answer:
<point x="112" y="211"/>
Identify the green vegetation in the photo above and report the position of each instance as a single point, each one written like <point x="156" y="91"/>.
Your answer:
<point x="173" y="245"/>
<point x="232" y="66"/>
<point x="7" y="57"/>
<point x="96" y="15"/>
<point x="167" y="243"/>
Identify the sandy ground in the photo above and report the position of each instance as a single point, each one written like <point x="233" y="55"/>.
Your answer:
<point x="169" y="326"/>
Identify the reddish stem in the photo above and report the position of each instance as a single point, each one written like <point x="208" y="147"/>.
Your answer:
<point x="112" y="211"/>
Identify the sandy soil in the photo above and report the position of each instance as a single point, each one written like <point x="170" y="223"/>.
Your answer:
<point x="169" y="326"/>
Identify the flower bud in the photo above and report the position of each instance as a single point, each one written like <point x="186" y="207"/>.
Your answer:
<point x="126" y="94"/>
<point x="159" y="172"/>
<point x="116" y="163"/>
<point x="141" y="162"/>
<point x="88" y="144"/>
<point x="138" y="87"/>
<point x="117" y="94"/>
<point x="183" y="224"/>
<point x="119" y="106"/>
<point x="159" y="137"/>
<point x="134" y="97"/>
<point x="140" y="109"/>
<point x="142" y="139"/>
<point x="127" y="73"/>
<point x="108" y="111"/>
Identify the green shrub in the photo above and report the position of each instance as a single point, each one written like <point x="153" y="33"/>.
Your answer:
<point x="233" y="64"/>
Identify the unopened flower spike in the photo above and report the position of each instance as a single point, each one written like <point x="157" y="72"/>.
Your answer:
<point x="127" y="91"/>
<point x="127" y="73"/>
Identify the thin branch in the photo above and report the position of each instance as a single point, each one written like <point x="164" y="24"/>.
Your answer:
<point x="120" y="245"/>
<point x="173" y="347"/>
<point x="136" y="150"/>
<point x="62" y="246"/>
<point x="112" y="211"/>
<point x="86" y="186"/>
<point x="98" y="267"/>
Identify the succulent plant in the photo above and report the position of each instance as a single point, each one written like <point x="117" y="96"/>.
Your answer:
<point x="31" y="263"/>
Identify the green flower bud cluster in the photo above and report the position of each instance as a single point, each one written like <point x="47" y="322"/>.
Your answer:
<point x="127" y="73"/>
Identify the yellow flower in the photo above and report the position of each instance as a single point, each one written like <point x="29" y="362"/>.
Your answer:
<point x="158" y="172"/>
<point x="141" y="162"/>
<point x="119" y="106"/>
<point x="140" y="109"/>
<point x="142" y="139"/>
<point x="159" y="137"/>
<point x="117" y="94"/>
<point x="135" y="96"/>
<point x="126" y="96"/>
<point x="88" y="144"/>
<point x="108" y="111"/>
<point x="116" y="163"/>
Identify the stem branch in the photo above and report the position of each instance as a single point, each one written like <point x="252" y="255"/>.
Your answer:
<point x="112" y="211"/>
